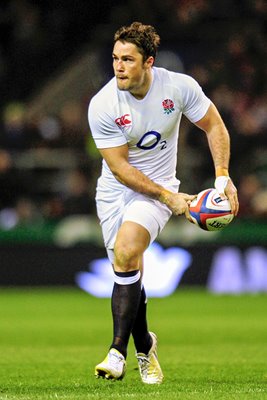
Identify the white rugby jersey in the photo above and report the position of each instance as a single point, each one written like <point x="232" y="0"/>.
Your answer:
<point x="149" y="126"/>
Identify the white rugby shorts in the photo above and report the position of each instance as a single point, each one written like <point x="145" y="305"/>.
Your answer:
<point x="117" y="205"/>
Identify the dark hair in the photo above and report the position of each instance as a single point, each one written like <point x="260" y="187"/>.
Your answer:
<point x="144" y="37"/>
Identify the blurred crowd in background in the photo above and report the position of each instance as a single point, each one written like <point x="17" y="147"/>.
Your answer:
<point x="48" y="163"/>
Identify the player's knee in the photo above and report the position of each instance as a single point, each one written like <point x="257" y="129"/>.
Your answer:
<point x="127" y="257"/>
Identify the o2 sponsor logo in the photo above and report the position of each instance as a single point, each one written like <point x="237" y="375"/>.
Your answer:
<point x="150" y="140"/>
<point x="163" y="272"/>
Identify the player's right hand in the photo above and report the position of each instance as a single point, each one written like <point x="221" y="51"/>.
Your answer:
<point x="179" y="203"/>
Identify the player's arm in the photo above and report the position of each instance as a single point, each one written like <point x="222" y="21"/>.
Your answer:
<point x="219" y="144"/>
<point x="117" y="160"/>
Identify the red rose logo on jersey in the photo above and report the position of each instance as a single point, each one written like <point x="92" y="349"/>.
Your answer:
<point x="123" y="121"/>
<point x="168" y="106"/>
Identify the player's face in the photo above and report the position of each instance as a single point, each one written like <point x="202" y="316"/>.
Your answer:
<point x="131" y="71"/>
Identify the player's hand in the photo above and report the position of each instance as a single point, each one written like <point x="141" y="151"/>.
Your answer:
<point x="231" y="193"/>
<point x="179" y="203"/>
<point x="227" y="190"/>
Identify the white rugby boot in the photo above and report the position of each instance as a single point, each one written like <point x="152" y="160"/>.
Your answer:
<point x="149" y="367"/>
<point x="113" y="367"/>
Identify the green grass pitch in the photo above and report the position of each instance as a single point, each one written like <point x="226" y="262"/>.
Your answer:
<point x="210" y="347"/>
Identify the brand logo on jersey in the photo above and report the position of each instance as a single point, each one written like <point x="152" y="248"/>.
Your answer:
<point x="168" y="106"/>
<point x="123" y="121"/>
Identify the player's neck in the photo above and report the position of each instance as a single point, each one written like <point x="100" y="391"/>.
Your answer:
<point x="141" y="92"/>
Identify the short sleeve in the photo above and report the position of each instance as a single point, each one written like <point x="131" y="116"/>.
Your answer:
<point x="105" y="132"/>
<point x="195" y="102"/>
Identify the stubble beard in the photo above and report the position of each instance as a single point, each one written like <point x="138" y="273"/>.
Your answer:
<point x="123" y="86"/>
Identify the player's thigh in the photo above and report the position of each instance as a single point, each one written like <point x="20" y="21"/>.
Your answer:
<point x="131" y="242"/>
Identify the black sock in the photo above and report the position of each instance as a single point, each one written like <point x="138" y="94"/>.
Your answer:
<point x="141" y="336"/>
<point x="124" y="302"/>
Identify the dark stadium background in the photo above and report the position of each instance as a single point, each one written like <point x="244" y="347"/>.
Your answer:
<point x="54" y="55"/>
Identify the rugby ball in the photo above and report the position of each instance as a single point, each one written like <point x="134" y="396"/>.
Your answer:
<point x="210" y="212"/>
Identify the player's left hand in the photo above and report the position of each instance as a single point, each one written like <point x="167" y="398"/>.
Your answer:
<point x="227" y="190"/>
<point x="231" y="193"/>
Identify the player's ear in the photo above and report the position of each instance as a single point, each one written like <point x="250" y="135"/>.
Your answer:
<point x="149" y="62"/>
